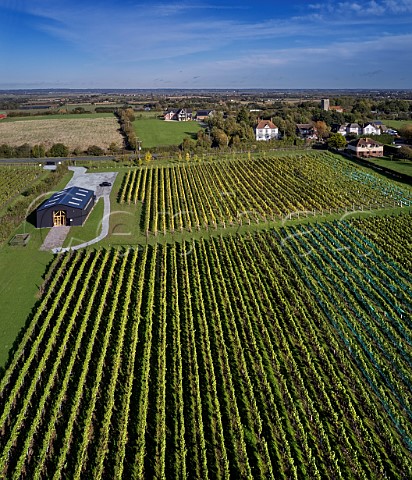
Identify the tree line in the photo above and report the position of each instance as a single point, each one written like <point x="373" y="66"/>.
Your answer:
<point x="56" y="150"/>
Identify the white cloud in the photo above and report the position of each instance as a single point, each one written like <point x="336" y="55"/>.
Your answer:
<point x="399" y="6"/>
<point x="371" y="7"/>
<point x="174" y="43"/>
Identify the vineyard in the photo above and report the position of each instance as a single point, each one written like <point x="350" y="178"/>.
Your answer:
<point x="236" y="192"/>
<point x="15" y="179"/>
<point x="282" y="354"/>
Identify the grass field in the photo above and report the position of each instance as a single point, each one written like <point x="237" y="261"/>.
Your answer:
<point x="397" y="124"/>
<point x="21" y="270"/>
<point x="74" y="131"/>
<point x="401" y="166"/>
<point x="154" y="132"/>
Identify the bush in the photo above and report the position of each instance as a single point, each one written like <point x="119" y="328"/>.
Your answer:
<point x="6" y="151"/>
<point x="95" y="150"/>
<point x="58" y="150"/>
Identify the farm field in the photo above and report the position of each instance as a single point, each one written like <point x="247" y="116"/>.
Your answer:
<point x="154" y="132"/>
<point x="211" y="195"/>
<point x="279" y="354"/>
<point x="74" y="131"/>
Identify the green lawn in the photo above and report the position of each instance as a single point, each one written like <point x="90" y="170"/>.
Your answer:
<point x="154" y="132"/>
<point x="401" y="166"/>
<point x="73" y="116"/>
<point x="21" y="271"/>
<point x="145" y="115"/>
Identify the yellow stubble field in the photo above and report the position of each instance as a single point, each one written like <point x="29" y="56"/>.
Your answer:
<point x="75" y="133"/>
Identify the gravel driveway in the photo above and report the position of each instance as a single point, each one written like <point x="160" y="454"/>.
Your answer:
<point x="91" y="181"/>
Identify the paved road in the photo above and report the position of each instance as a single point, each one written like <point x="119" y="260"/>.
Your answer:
<point x="56" y="159"/>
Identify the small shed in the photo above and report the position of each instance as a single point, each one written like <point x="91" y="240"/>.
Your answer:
<point x="69" y="207"/>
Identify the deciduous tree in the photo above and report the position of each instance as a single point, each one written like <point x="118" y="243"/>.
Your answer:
<point x="336" y="140"/>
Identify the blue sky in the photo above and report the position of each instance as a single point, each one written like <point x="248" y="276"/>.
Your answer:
<point x="205" y="44"/>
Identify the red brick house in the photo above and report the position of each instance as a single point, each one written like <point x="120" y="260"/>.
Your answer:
<point x="365" y="147"/>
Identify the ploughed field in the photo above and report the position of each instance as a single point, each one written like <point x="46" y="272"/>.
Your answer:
<point x="280" y="354"/>
<point x="214" y="195"/>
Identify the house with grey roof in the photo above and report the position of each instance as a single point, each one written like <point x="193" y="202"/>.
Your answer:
<point x="69" y="207"/>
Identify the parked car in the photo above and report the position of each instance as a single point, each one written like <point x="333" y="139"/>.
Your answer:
<point x="105" y="184"/>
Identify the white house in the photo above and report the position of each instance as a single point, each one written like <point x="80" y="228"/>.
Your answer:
<point x="371" y="129"/>
<point x="179" y="115"/>
<point x="353" y="128"/>
<point x="266" y="130"/>
<point x="339" y="128"/>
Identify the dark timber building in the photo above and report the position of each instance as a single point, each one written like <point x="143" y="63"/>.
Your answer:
<point x="68" y="207"/>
